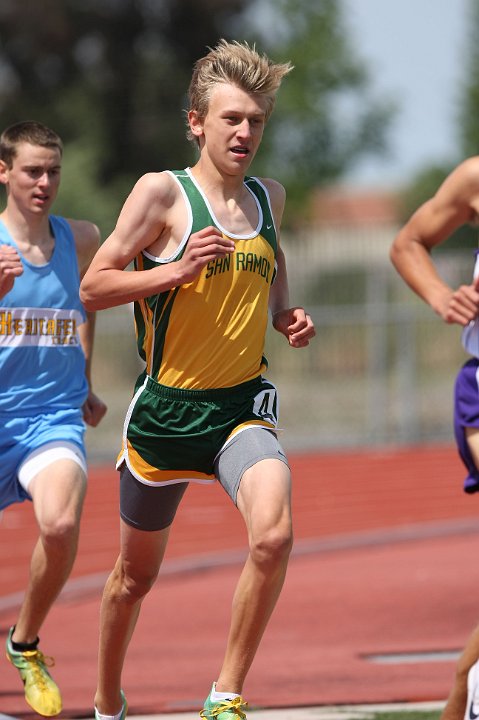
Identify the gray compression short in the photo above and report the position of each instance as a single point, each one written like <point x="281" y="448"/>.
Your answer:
<point x="148" y="507"/>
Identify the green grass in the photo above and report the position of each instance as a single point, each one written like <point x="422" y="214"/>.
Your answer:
<point x="408" y="715"/>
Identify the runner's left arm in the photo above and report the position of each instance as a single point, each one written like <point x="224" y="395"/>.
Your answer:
<point x="87" y="242"/>
<point x="293" y="322"/>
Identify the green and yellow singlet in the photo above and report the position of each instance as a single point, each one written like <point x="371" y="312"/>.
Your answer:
<point x="201" y="335"/>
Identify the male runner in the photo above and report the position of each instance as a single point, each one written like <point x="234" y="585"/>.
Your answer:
<point x="455" y="203"/>
<point x="205" y="242"/>
<point x="46" y="341"/>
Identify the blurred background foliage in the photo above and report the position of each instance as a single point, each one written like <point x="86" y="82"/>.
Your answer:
<point x="425" y="183"/>
<point x="111" y="77"/>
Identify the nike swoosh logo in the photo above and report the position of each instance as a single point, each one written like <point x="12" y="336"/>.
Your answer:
<point x="472" y="714"/>
<point x="268" y="227"/>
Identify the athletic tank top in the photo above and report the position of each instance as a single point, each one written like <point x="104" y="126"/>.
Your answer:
<point x="210" y="333"/>
<point x="42" y="365"/>
<point x="470" y="334"/>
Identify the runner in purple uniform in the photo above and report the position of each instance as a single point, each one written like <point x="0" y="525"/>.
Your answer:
<point x="456" y="203"/>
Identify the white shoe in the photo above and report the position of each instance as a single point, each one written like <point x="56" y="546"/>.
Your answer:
<point x="472" y="707"/>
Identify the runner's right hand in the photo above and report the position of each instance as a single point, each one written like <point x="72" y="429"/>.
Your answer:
<point x="203" y="246"/>
<point x="10" y="268"/>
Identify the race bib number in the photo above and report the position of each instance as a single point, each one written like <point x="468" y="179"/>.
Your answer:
<point x="266" y="405"/>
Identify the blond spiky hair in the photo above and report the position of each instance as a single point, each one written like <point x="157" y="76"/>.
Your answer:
<point x="238" y="64"/>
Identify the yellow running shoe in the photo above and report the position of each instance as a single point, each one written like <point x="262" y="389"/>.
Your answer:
<point x="41" y="691"/>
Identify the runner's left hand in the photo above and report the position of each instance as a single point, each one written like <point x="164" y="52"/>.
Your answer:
<point x="93" y="409"/>
<point x="296" y="325"/>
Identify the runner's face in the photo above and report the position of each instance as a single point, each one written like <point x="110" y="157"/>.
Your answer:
<point x="233" y="127"/>
<point x="34" y="177"/>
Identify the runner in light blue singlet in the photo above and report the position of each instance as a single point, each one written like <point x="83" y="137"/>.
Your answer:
<point x="46" y="397"/>
<point x="42" y="365"/>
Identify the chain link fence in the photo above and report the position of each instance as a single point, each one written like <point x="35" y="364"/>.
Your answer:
<point x="380" y="371"/>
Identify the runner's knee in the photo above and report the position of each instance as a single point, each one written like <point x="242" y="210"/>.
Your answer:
<point x="272" y="546"/>
<point x="60" y="532"/>
<point x="136" y="585"/>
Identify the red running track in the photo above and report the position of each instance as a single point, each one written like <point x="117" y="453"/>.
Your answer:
<point x="384" y="564"/>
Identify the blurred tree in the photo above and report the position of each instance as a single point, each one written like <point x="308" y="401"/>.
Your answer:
<point x="326" y="118"/>
<point x="468" y="114"/>
<point x="111" y="77"/>
<point x="428" y="179"/>
<point x="469" y="104"/>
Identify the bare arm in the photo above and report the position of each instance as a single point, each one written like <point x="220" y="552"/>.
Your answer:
<point x="455" y="203"/>
<point x="93" y="408"/>
<point x="87" y="241"/>
<point x="293" y="322"/>
<point x="149" y="214"/>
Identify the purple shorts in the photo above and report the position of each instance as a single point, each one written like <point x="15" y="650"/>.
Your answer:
<point x="466" y="414"/>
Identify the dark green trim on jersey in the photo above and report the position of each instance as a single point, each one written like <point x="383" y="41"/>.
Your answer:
<point x="161" y="305"/>
<point x="201" y="214"/>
